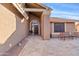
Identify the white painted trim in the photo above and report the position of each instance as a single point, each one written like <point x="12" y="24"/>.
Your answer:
<point x="34" y="25"/>
<point x="34" y="9"/>
<point x="45" y="6"/>
<point x="20" y="9"/>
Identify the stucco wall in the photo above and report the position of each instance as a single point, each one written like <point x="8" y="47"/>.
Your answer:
<point x="69" y="27"/>
<point x="77" y="27"/>
<point x="45" y="26"/>
<point x="12" y="28"/>
<point x="7" y="26"/>
<point x="52" y="28"/>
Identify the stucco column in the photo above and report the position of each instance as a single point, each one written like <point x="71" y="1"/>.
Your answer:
<point x="45" y="25"/>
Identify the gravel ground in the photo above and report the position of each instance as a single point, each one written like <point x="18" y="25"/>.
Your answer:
<point x="53" y="47"/>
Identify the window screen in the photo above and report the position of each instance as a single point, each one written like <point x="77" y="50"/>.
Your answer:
<point x="59" y="27"/>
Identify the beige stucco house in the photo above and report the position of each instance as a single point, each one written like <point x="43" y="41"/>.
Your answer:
<point x="17" y="20"/>
<point x="58" y="25"/>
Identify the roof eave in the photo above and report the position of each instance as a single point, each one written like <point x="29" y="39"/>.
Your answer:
<point x="20" y="10"/>
<point x="48" y="8"/>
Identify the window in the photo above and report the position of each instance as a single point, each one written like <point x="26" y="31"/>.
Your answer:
<point x="59" y="27"/>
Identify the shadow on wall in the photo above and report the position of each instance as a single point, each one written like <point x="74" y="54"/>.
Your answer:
<point x="12" y="9"/>
<point x="20" y="33"/>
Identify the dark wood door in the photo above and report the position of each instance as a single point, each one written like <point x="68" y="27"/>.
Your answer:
<point x="35" y="29"/>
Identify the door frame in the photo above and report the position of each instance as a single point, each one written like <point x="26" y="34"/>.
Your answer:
<point x="37" y="23"/>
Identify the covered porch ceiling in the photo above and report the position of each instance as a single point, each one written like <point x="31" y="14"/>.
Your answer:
<point x="33" y="5"/>
<point x="35" y="9"/>
<point x="37" y="14"/>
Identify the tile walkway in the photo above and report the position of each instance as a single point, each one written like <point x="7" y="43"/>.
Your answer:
<point x="53" y="47"/>
<point x="35" y="46"/>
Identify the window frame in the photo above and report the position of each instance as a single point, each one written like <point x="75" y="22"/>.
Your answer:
<point x="59" y="30"/>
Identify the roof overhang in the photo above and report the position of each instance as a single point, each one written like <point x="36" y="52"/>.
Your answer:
<point x="34" y="10"/>
<point x="46" y="7"/>
<point x="21" y="10"/>
<point x="56" y="19"/>
<point x="37" y="9"/>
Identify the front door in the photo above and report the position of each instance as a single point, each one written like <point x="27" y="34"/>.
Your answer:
<point x="36" y="29"/>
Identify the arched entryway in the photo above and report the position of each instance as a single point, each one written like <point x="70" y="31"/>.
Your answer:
<point x="35" y="27"/>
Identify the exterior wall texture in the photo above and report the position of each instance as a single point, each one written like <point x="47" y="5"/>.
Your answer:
<point x="69" y="24"/>
<point x="77" y="26"/>
<point x="12" y="28"/>
<point x="70" y="27"/>
<point x="45" y="26"/>
<point x="7" y="26"/>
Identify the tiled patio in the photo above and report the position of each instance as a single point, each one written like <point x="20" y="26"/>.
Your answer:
<point x="38" y="47"/>
<point x="35" y="46"/>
